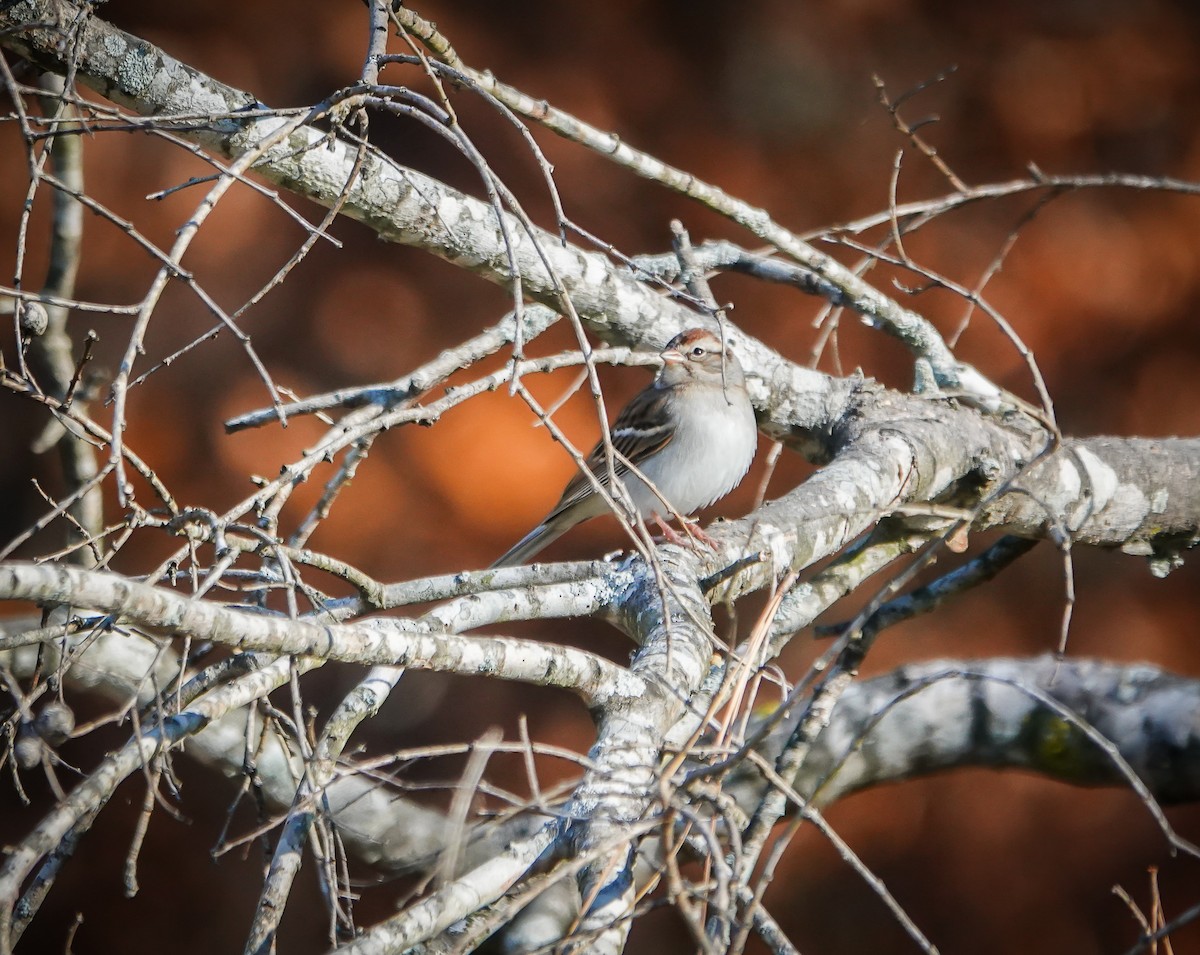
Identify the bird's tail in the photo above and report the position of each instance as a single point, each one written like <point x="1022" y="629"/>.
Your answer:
<point x="532" y="543"/>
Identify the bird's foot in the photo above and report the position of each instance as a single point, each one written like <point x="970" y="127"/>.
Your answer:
<point x="697" y="533"/>
<point x="694" y="533"/>
<point x="667" y="530"/>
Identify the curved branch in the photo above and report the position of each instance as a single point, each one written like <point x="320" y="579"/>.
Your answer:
<point x="390" y="641"/>
<point x="972" y="713"/>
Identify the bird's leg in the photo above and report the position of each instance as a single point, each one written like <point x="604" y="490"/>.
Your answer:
<point x="692" y="528"/>
<point x="667" y="529"/>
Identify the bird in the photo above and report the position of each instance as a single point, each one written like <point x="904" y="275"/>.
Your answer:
<point x="691" y="433"/>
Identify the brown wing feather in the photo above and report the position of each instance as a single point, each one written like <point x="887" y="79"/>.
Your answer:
<point x="641" y="429"/>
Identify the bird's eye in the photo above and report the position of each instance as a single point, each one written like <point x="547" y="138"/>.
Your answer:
<point x="698" y="351"/>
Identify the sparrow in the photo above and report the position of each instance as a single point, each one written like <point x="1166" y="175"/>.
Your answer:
<point x="691" y="434"/>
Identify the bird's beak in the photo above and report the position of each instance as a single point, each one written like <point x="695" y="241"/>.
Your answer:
<point x="673" y="356"/>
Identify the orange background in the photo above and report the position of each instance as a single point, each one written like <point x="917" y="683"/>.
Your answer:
<point x="774" y="102"/>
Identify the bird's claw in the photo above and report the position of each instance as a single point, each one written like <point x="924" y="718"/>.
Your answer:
<point x="694" y="533"/>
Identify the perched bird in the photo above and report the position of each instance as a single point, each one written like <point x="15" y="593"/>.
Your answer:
<point x="691" y="433"/>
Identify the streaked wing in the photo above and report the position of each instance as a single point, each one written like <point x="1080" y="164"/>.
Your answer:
<point x="644" y="427"/>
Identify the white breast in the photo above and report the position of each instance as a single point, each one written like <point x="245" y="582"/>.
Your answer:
<point x="709" y="455"/>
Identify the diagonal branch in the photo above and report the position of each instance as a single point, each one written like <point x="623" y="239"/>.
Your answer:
<point x="400" y="204"/>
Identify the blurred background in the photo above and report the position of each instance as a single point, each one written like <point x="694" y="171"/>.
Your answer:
<point x="775" y="102"/>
